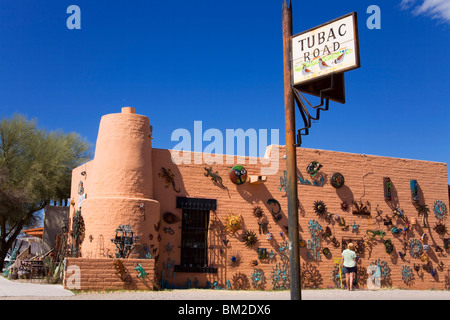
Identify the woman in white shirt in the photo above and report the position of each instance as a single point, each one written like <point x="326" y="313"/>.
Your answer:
<point x="349" y="265"/>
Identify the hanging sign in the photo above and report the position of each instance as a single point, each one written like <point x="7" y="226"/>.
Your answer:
<point x="330" y="48"/>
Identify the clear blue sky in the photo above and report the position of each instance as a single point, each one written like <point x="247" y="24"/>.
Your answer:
<point x="221" y="62"/>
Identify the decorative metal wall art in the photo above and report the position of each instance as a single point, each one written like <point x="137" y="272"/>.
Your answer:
<point x="358" y="242"/>
<point x="407" y="274"/>
<point x="414" y="190"/>
<point x="124" y="240"/>
<point x="240" y="281"/>
<point x="384" y="268"/>
<point x="263" y="226"/>
<point x="335" y="242"/>
<point x="344" y="206"/>
<point x="258" y="212"/>
<point x="313" y="168"/>
<point x="262" y="253"/>
<point x="320" y="207"/>
<point x="283" y="181"/>
<point x="317" y="182"/>
<point x="423" y="210"/>
<point x="276" y="209"/>
<point x="440" y="209"/>
<point x="315" y="230"/>
<point x="440" y="229"/>
<point x="375" y="233"/>
<point x="355" y="227"/>
<point x="141" y="272"/>
<point x="327" y="233"/>
<point x="389" y="247"/>
<point x="280" y="276"/>
<point x="238" y="174"/>
<point x="387" y="188"/>
<point x="232" y="223"/>
<point x="283" y="251"/>
<point x="337" y="180"/>
<point x="78" y="232"/>
<point x="214" y="176"/>
<point x="360" y="208"/>
<point x="169" y="178"/>
<point x="170" y="218"/>
<point x="258" y="279"/>
<point x="250" y="238"/>
<point x="80" y="188"/>
<point x="415" y="248"/>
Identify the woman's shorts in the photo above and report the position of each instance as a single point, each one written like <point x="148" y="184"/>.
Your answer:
<point x="349" y="269"/>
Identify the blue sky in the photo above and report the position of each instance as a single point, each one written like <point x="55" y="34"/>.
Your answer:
<point x="221" y="62"/>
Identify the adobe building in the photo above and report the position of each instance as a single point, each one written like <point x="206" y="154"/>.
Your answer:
<point x="199" y="225"/>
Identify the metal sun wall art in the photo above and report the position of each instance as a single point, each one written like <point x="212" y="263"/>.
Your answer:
<point x="320" y="207"/>
<point x="238" y="174"/>
<point x="233" y="223"/>
<point x="250" y="238"/>
<point x="258" y="212"/>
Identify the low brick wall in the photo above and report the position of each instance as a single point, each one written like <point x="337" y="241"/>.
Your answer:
<point x="108" y="274"/>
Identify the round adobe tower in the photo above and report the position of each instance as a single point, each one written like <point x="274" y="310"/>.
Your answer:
<point x="120" y="186"/>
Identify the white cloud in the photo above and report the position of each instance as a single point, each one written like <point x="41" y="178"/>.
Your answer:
<point x="436" y="9"/>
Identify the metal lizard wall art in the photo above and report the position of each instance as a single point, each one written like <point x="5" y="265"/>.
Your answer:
<point x="169" y="177"/>
<point x="214" y="177"/>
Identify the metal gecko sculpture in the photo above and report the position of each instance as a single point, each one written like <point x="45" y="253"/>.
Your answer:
<point x="141" y="272"/>
<point x="169" y="177"/>
<point x="214" y="177"/>
<point x="379" y="233"/>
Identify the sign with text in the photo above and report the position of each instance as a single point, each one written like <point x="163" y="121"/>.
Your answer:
<point x="332" y="47"/>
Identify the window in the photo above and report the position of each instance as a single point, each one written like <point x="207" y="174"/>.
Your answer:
<point x="194" y="238"/>
<point x="194" y="234"/>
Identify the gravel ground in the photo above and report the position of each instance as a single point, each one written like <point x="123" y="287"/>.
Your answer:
<point x="203" y="294"/>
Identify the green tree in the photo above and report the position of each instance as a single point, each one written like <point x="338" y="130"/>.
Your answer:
<point x="35" y="166"/>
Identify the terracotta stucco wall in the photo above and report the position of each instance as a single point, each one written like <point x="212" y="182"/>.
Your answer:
<point x="363" y="182"/>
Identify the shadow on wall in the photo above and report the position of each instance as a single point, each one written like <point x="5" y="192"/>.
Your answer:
<point x="254" y="194"/>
